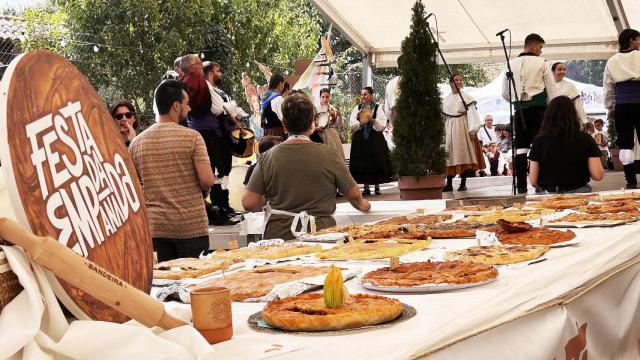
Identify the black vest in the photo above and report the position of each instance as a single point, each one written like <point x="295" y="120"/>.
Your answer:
<point x="270" y="118"/>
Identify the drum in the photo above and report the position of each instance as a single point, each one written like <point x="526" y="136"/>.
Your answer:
<point x="365" y="113"/>
<point x="242" y="148"/>
<point x="322" y="119"/>
<point x="236" y="186"/>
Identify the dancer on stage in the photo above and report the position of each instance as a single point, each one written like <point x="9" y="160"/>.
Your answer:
<point x="369" y="161"/>
<point x="622" y="97"/>
<point x="328" y="119"/>
<point x="568" y="89"/>
<point x="271" y="106"/>
<point x="464" y="154"/>
<point x="535" y="86"/>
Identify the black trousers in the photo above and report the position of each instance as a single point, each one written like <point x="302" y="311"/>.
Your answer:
<point x="627" y="120"/>
<point x="219" y="197"/>
<point x="493" y="166"/>
<point x="533" y="120"/>
<point x="170" y="248"/>
<point x="219" y="151"/>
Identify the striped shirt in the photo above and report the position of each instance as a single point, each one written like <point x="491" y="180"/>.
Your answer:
<point x="165" y="156"/>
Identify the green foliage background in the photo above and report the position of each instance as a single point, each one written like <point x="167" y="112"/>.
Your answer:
<point x="125" y="46"/>
<point x="418" y="130"/>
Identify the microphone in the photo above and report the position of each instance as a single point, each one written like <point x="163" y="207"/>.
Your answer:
<point x="502" y="32"/>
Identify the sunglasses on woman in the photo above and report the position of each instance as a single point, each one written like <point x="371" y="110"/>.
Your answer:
<point x="128" y="115"/>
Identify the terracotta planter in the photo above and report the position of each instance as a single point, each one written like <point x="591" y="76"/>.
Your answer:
<point x="615" y="157"/>
<point x="421" y="187"/>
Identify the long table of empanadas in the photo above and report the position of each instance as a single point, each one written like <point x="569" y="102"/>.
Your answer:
<point x="575" y="295"/>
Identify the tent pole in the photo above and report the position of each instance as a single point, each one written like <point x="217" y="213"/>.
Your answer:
<point x="367" y="71"/>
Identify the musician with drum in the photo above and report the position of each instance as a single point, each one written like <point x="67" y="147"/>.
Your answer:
<point x="225" y="112"/>
<point x="328" y="118"/>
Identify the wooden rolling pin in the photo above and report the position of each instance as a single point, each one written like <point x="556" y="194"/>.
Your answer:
<point x="89" y="277"/>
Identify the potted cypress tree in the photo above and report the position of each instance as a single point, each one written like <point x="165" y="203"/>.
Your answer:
<point x="418" y="132"/>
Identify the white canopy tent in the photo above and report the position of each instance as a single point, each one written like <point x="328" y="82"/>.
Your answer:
<point x="573" y="29"/>
<point x="490" y="101"/>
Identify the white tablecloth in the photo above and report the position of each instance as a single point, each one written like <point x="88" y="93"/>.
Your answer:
<point x="442" y="319"/>
<point x="445" y="318"/>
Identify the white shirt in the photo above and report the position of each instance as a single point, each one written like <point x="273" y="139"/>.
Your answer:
<point x="391" y="93"/>
<point x="620" y="67"/>
<point x="379" y="123"/>
<point x="568" y="89"/>
<point x="486" y="139"/>
<point x="452" y="106"/>
<point x="220" y="105"/>
<point x="532" y="75"/>
<point x="276" y="106"/>
<point x="217" y="106"/>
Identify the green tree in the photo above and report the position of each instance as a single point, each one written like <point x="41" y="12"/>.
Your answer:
<point x="418" y="130"/>
<point x="472" y="75"/>
<point x="137" y="41"/>
<point x="274" y="32"/>
<point x="125" y="46"/>
<point x="586" y="71"/>
<point x="46" y="30"/>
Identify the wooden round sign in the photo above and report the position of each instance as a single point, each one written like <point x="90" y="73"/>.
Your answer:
<point x="70" y="176"/>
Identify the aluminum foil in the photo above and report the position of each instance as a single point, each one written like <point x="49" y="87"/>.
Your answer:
<point x="180" y="291"/>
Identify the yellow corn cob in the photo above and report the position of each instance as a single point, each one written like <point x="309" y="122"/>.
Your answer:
<point x="333" y="291"/>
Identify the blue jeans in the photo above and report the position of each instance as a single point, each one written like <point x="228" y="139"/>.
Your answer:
<point x="584" y="189"/>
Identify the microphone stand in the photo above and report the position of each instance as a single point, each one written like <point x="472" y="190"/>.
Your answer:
<point x="446" y="66"/>
<point x="444" y="62"/>
<point x="512" y="85"/>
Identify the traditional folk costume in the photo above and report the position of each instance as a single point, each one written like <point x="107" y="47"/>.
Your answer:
<point x="369" y="162"/>
<point x="222" y="108"/>
<point x="568" y="89"/>
<point x="328" y="119"/>
<point x="212" y="128"/>
<point x="622" y="94"/>
<point x="535" y="86"/>
<point x="464" y="153"/>
<point x="271" y="106"/>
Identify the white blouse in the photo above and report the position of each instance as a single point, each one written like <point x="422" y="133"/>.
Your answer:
<point x="568" y="89"/>
<point x="452" y="106"/>
<point x="620" y="67"/>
